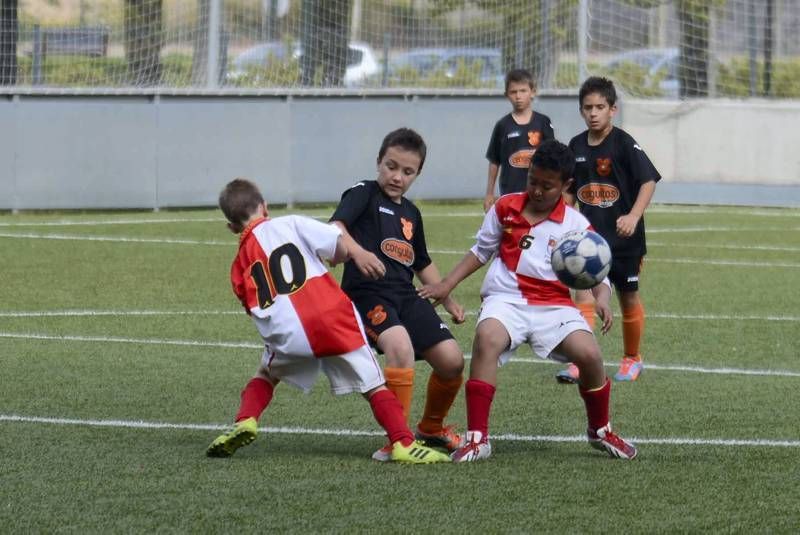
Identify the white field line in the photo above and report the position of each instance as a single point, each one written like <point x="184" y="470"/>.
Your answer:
<point x="122" y="340"/>
<point x="698" y="317"/>
<point x="182" y="241"/>
<point x="115" y="239"/>
<point x="249" y="345"/>
<point x="103" y="222"/>
<point x="663" y="230"/>
<point x="124" y="313"/>
<point x="655" y="209"/>
<point x="736" y="263"/>
<point x="140" y="424"/>
<point x="789" y="249"/>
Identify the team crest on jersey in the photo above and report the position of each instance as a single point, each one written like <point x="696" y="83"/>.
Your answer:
<point x="377" y="315"/>
<point x="521" y="159"/>
<point x="408" y="228"/>
<point x="398" y="250"/>
<point x="551" y="245"/>
<point x="600" y="195"/>
<point x="534" y="138"/>
<point x="604" y="166"/>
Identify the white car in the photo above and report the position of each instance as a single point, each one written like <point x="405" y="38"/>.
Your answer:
<point x="361" y="62"/>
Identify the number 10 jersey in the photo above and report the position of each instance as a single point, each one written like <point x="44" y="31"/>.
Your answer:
<point x="280" y="279"/>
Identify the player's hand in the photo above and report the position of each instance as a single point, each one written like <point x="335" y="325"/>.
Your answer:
<point x="369" y="265"/>
<point x="437" y="292"/>
<point x="488" y="202"/>
<point x="605" y="314"/>
<point x="626" y="225"/>
<point x="455" y="309"/>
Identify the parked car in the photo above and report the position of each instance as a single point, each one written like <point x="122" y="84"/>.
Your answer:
<point x="361" y="62"/>
<point x="424" y="62"/>
<point x="657" y="62"/>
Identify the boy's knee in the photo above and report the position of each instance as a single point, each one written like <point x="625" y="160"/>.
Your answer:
<point x="399" y="355"/>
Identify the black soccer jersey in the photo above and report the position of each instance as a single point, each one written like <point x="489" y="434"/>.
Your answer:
<point x="607" y="181"/>
<point x="512" y="147"/>
<point x="393" y="232"/>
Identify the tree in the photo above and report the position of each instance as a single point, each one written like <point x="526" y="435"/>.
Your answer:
<point x="200" y="51"/>
<point x="694" y="20"/>
<point x="531" y="32"/>
<point x="325" y="28"/>
<point x="143" y="41"/>
<point x="9" y="30"/>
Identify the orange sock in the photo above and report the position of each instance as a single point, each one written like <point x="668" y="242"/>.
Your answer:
<point x="632" y="330"/>
<point x="587" y="311"/>
<point x="441" y="394"/>
<point x="401" y="382"/>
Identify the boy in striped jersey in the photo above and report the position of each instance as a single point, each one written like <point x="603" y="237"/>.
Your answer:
<point x="523" y="301"/>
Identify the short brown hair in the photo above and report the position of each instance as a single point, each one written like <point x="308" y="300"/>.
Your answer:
<point x="239" y="200"/>
<point x="520" y="76"/>
<point x="602" y="86"/>
<point x="407" y="139"/>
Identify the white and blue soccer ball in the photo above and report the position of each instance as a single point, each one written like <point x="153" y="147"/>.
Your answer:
<point x="581" y="259"/>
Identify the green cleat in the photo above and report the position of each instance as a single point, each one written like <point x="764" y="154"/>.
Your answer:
<point x="416" y="453"/>
<point x="242" y="434"/>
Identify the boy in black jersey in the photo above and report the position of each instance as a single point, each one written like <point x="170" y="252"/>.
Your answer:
<point x="614" y="182"/>
<point x="515" y="138"/>
<point x="384" y="233"/>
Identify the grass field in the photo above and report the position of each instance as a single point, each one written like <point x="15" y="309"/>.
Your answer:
<point x="123" y="351"/>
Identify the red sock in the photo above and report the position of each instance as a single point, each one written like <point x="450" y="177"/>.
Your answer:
<point x="596" y="402"/>
<point x="479" y="403"/>
<point x="255" y="398"/>
<point x="388" y="413"/>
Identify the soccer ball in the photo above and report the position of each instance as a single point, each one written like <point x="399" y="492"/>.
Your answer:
<point x="581" y="259"/>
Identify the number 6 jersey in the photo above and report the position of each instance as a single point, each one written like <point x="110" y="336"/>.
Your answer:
<point x="297" y="306"/>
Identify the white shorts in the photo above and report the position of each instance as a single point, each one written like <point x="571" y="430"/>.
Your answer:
<point x="357" y="371"/>
<point x="543" y="327"/>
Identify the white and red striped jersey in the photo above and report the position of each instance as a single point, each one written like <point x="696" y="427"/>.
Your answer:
<point x="521" y="270"/>
<point x="280" y="278"/>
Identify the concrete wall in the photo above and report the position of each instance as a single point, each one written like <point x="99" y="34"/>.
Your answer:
<point x="720" y="142"/>
<point x="161" y="151"/>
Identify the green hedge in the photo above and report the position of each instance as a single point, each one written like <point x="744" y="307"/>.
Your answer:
<point x="733" y="78"/>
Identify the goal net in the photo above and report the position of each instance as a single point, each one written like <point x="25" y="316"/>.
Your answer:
<point x="650" y="48"/>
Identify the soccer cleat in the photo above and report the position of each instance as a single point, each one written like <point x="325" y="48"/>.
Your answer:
<point x="384" y="454"/>
<point x="629" y="369"/>
<point x="570" y="375"/>
<point x="446" y="439"/>
<point x="417" y="453"/>
<point x="604" y="439"/>
<point x="242" y="434"/>
<point x="476" y="447"/>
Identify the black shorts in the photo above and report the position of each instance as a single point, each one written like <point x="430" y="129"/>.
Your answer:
<point x="624" y="274"/>
<point x="382" y="311"/>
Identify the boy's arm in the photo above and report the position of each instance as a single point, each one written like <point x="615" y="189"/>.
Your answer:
<point x="341" y="254"/>
<point x="366" y="262"/>
<point x="602" y="294"/>
<point x="489" y="199"/>
<point x="439" y="291"/>
<point x="430" y="275"/>
<point x="626" y="224"/>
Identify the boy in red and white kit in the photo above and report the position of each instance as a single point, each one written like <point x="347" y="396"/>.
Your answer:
<point x="523" y="301"/>
<point x="308" y="324"/>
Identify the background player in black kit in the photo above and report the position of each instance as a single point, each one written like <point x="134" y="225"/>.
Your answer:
<point x="384" y="233"/>
<point x="515" y="138"/>
<point x="614" y="182"/>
